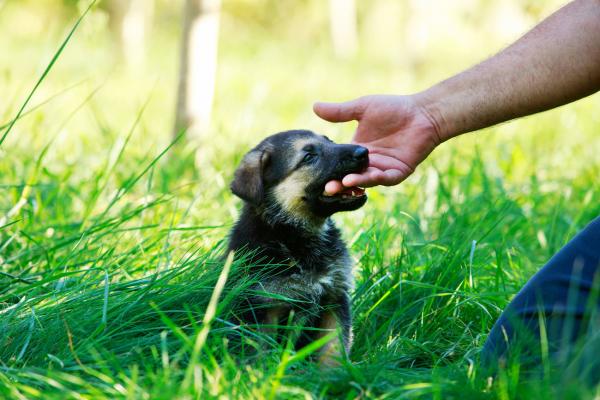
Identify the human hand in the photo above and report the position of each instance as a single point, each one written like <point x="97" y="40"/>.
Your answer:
<point x="398" y="132"/>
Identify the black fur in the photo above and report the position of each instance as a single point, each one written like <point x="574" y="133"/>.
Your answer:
<point x="285" y="221"/>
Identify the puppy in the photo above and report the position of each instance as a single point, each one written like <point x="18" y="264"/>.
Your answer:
<point x="286" y="222"/>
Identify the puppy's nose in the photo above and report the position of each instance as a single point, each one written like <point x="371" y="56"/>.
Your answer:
<point x="360" y="153"/>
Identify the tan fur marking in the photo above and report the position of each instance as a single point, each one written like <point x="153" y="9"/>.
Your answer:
<point x="331" y="353"/>
<point x="272" y="317"/>
<point x="300" y="143"/>
<point x="289" y="194"/>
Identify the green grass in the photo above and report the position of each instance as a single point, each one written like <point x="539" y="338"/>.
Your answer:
<point x="111" y="240"/>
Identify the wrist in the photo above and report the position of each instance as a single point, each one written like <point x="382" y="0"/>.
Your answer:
<point x="434" y="111"/>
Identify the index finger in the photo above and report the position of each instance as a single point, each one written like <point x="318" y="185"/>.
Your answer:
<point x="374" y="177"/>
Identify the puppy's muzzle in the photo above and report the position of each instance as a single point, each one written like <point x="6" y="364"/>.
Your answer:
<point x="352" y="159"/>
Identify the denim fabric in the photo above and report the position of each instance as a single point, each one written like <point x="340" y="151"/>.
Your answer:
<point x="556" y="312"/>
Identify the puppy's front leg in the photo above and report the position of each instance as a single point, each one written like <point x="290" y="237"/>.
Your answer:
<point x="272" y="319"/>
<point x="331" y="319"/>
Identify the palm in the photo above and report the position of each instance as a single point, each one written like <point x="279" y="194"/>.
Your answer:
<point x="398" y="135"/>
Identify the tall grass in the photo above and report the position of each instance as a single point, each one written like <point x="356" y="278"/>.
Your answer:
<point x="111" y="248"/>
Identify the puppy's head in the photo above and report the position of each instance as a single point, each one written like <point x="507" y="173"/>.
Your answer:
<point x="285" y="176"/>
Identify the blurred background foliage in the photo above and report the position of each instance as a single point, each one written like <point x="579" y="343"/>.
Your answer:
<point x="275" y="59"/>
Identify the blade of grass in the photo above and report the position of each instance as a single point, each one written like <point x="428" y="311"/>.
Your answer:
<point x="209" y="316"/>
<point x="46" y="101"/>
<point x="46" y="71"/>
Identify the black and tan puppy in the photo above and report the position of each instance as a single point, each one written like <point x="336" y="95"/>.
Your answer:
<point x="285" y="221"/>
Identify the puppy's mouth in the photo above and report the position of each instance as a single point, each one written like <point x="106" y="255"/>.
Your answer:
<point x="350" y="197"/>
<point x="348" y="194"/>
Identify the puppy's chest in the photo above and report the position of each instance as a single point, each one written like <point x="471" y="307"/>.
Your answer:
<point x="314" y="274"/>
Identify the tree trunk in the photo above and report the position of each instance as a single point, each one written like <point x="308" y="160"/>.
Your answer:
<point x="342" y="20"/>
<point x="130" y="21"/>
<point x="198" y="66"/>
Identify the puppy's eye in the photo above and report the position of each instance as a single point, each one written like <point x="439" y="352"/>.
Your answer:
<point x="309" y="157"/>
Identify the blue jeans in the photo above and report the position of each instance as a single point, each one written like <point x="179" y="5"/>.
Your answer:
<point x="556" y="314"/>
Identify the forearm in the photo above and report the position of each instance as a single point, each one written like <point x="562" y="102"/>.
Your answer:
<point x="555" y="63"/>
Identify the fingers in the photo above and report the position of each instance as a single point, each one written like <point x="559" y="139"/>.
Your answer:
<point x="340" y="112"/>
<point x="371" y="177"/>
<point x="385" y="162"/>
<point x="333" y="187"/>
<point x="374" y="176"/>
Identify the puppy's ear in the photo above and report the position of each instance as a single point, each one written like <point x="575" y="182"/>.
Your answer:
<point x="248" y="179"/>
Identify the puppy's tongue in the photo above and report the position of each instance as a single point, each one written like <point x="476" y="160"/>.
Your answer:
<point x="350" y="191"/>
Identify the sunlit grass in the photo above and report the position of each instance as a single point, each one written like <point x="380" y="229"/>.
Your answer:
<point x="114" y="245"/>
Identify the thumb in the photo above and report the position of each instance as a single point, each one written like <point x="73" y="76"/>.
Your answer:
<point x="340" y="112"/>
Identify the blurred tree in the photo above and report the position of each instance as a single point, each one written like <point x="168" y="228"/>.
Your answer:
<point x="130" y="21"/>
<point x="342" y="17"/>
<point x="198" y="65"/>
